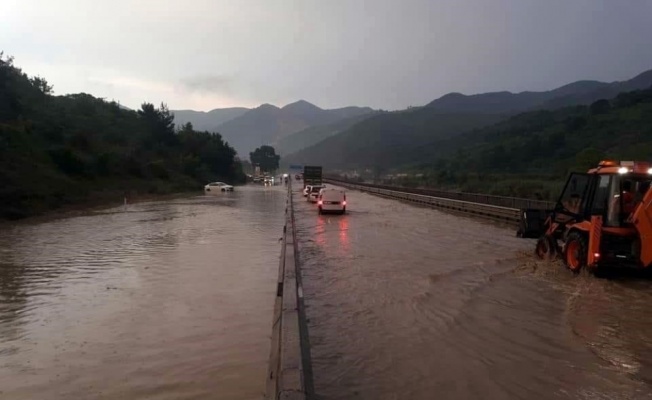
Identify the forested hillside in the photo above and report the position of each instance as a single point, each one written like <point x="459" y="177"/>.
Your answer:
<point x="529" y="155"/>
<point x="58" y="150"/>
<point x="315" y="134"/>
<point x="387" y="140"/>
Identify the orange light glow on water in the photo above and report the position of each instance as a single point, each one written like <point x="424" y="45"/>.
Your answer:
<point x="320" y="236"/>
<point x="344" y="233"/>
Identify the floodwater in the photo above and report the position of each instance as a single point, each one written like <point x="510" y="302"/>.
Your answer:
<point x="158" y="300"/>
<point x="406" y="302"/>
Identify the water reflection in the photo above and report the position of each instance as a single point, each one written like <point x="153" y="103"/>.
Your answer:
<point x="344" y="234"/>
<point x="320" y="231"/>
<point x="332" y="230"/>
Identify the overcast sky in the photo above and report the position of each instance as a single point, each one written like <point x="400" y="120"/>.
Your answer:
<point x="205" y="54"/>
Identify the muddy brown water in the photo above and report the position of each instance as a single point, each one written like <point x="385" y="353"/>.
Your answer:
<point x="158" y="300"/>
<point x="407" y="302"/>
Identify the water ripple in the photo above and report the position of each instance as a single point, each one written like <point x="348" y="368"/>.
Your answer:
<point x="157" y="300"/>
<point x="408" y="302"/>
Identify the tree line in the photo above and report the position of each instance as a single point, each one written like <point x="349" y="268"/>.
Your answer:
<point x="58" y="150"/>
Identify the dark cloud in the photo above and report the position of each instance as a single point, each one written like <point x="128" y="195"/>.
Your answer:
<point x="383" y="53"/>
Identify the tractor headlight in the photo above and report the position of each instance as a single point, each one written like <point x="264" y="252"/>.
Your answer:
<point x="623" y="170"/>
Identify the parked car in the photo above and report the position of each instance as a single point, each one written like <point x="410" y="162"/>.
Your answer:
<point x="218" y="187"/>
<point x="331" y="200"/>
<point x="314" y="193"/>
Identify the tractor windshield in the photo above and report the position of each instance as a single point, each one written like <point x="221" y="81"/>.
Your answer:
<point x="613" y="196"/>
<point x="571" y="200"/>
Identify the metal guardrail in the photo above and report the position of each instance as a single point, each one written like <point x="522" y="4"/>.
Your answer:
<point x="289" y="370"/>
<point x="486" y="210"/>
<point x="502" y="201"/>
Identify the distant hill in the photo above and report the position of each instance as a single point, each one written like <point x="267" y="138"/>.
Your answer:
<point x="315" y="134"/>
<point x="580" y="92"/>
<point x="420" y="135"/>
<point x="268" y="124"/>
<point x="387" y="139"/>
<point x="523" y="155"/>
<point x="207" y="121"/>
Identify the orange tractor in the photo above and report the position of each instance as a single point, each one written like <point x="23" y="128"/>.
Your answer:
<point x="602" y="218"/>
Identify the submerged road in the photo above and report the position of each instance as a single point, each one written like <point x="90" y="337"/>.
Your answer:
<point x="406" y="302"/>
<point x="174" y="299"/>
<point x="160" y="300"/>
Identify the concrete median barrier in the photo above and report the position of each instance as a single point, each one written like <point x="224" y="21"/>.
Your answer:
<point x="289" y="371"/>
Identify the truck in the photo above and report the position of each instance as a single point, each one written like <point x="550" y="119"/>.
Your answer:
<point x="312" y="175"/>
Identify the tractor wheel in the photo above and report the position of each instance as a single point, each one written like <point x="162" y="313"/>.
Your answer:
<point x="546" y="249"/>
<point x="575" y="252"/>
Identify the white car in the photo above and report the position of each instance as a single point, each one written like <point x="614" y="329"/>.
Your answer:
<point x="314" y="193"/>
<point x="218" y="187"/>
<point x="331" y="200"/>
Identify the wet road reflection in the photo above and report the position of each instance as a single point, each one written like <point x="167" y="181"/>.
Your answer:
<point x="411" y="303"/>
<point x="322" y="230"/>
<point x="160" y="300"/>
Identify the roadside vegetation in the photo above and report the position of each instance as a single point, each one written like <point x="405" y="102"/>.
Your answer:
<point x="64" y="150"/>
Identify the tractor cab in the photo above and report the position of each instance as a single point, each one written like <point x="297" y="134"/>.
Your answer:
<point x="610" y="192"/>
<point x="598" y="217"/>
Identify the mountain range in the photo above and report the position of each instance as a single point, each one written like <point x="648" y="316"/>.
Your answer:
<point x="360" y="137"/>
<point x="246" y="129"/>
<point x="580" y="92"/>
<point x="420" y="135"/>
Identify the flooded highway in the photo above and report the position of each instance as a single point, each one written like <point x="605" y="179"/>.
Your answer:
<point x="407" y="302"/>
<point x="157" y="300"/>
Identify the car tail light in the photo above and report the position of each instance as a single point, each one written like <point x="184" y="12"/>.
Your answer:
<point x="344" y="203"/>
<point x="320" y="202"/>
